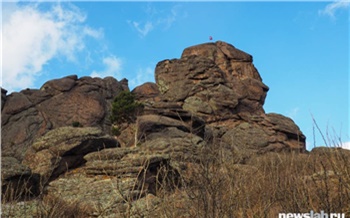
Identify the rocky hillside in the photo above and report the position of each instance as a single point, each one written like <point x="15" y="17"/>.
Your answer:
<point x="205" y="112"/>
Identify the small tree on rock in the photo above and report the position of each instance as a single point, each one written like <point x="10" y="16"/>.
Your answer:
<point x="125" y="108"/>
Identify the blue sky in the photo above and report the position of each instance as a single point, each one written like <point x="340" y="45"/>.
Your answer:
<point x="301" y="49"/>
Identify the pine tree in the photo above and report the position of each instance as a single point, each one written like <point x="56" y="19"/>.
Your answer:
<point x="125" y="108"/>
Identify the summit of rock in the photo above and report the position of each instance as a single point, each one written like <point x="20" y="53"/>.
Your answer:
<point x="217" y="50"/>
<point x="217" y="81"/>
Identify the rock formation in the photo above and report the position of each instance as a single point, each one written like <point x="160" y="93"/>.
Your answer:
<point x="63" y="149"/>
<point x="212" y="97"/>
<point x="31" y="113"/>
<point x="218" y="83"/>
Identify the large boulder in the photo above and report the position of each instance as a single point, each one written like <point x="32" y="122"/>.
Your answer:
<point x="30" y="113"/>
<point x="63" y="148"/>
<point x="146" y="91"/>
<point x="270" y="132"/>
<point x="212" y="80"/>
<point x="148" y="124"/>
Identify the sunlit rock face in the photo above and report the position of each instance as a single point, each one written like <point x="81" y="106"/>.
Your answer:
<point x="30" y="113"/>
<point x="214" y="80"/>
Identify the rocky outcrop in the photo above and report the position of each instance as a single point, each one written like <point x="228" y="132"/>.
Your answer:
<point x="268" y="132"/>
<point x="205" y="110"/>
<point x="30" y="113"/>
<point x="150" y="124"/>
<point x="217" y="81"/>
<point x="63" y="149"/>
<point x="115" y="176"/>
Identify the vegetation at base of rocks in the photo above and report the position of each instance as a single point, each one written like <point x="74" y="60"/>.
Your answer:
<point x="125" y="108"/>
<point x="43" y="208"/>
<point x="115" y="131"/>
<point x="217" y="182"/>
<point x="220" y="187"/>
<point x="271" y="184"/>
<point x="76" y="124"/>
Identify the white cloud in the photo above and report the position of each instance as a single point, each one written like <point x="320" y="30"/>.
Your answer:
<point x="170" y="18"/>
<point x="112" y="68"/>
<point x="31" y="38"/>
<point x="92" y="32"/>
<point x="147" y="27"/>
<point x="346" y="145"/>
<point x="293" y="112"/>
<point x="142" y="76"/>
<point x="331" y="8"/>
<point x="155" y="18"/>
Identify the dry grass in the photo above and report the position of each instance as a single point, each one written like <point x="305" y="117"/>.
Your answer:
<point x="218" y="186"/>
<point x="271" y="184"/>
<point x="46" y="207"/>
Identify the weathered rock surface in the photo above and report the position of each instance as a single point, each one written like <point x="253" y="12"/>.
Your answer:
<point x="29" y="114"/>
<point x="270" y="132"/>
<point x="63" y="148"/>
<point x="147" y="91"/>
<point x="217" y="81"/>
<point x="114" y="176"/>
<point x="148" y="124"/>
<point x="17" y="180"/>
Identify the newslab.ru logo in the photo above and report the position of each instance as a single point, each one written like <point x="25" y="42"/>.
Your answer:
<point x="312" y="214"/>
